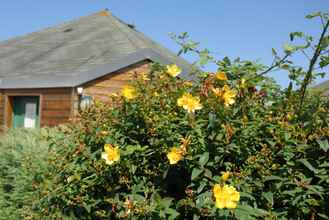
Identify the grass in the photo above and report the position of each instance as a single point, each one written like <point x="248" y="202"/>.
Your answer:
<point x="23" y="154"/>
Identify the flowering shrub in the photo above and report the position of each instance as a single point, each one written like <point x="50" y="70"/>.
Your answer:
<point x="226" y="145"/>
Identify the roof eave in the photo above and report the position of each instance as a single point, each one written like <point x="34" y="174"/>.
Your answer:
<point x="74" y="80"/>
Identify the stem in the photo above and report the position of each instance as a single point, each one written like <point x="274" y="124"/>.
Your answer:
<point x="322" y="21"/>
<point x="191" y="119"/>
<point x="303" y="51"/>
<point x="275" y="65"/>
<point x="313" y="61"/>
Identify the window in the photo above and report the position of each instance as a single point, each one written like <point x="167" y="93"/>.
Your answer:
<point x="85" y="102"/>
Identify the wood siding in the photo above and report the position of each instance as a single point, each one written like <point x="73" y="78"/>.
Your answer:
<point x="101" y="88"/>
<point x="58" y="105"/>
<point x="55" y="105"/>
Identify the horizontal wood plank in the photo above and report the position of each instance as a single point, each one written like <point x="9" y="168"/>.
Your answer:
<point x="56" y="113"/>
<point x="56" y="105"/>
<point x="110" y="83"/>
<point x="102" y="88"/>
<point x="56" y="97"/>
<point x="101" y="91"/>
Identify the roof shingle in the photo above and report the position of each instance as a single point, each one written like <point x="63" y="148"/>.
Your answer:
<point x="76" y="52"/>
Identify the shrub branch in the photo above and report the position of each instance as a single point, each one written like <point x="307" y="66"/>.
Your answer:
<point x="313" y="61"/>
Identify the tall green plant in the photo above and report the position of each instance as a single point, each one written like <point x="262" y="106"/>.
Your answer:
<point x="23" y="156"/>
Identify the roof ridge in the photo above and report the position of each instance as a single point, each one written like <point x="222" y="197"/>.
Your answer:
<point x="123" y="32"/>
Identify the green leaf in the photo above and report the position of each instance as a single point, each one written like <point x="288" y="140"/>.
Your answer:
<point x="172" y="214"/>
<point x="227" y="60"/>
<point x="324" y="216"/>
<point x="137" y="197"/>
<point x="131" y="149"/>
<point x="244" y="215"/>
<point x="288" y="48"/>
<point x="165" y="202"/>
<point x="247" y="212"/>
<point x="324" y="145"/>
<point x="324" y="61"/>
<point x="247" y="195"/>
<point x="325" y="42"/>
<point x="195" y="173"/>
<point x="212" y="120"/>
<point x="196" y="217"/>
<point x="313" y="15"/>
<point x="295" y="34"/>
<point x="204" y="159"/>
<point x="109" y="140"/>
<point x="87" y="207"/>
<point x="308" y="165"/>
<point x="204" y="199"/>
<point x="272" y="178"/>
<point x="274" y="52"/>
<point x="201" y="187"/>
<point x="269" y="197"/>
<point x="204" y="57"/>
<point x="285" y="66"/>
<point x="208" y="173"/>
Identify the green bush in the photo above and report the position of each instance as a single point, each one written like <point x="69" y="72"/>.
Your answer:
<point x="277" y="160"/>
<point x="230" y="145"/>
<point x="23" y="156"/>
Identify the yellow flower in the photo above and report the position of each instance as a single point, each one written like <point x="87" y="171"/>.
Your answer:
<point x="226" y="196"/>
<point x="173" y="70"/>
<point x="129" y="92"/>
<point x="111" y="154"/>
<point x="225" y="176"/>
<point x="226" y="94"/>
<point x="189" y="103"/>
<point x="218" y="92"/>
<point x="221" y="76"/>
<point x="175" y="155"/>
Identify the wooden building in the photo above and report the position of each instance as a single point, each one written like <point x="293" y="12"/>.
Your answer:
<point x="42" y="73"/>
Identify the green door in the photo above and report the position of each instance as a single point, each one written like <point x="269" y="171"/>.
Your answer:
<point x="25" y="111"/>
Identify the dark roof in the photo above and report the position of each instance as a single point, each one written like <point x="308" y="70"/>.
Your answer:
<point x="76" y="52"/>
<point x="323" y="88"/>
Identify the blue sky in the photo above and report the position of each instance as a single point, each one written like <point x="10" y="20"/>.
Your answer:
<point x="234" y="28"/>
